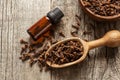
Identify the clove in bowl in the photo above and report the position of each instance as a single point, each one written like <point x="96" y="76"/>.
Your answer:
<point x="101" y="10"/>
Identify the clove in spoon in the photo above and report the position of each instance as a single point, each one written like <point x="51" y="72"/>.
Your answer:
<point x="110" y="39"/>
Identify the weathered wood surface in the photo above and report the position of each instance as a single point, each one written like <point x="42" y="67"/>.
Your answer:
<point x="18" y="15"/>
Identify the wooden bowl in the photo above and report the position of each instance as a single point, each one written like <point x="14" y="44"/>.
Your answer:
<point x="96" y="16"/>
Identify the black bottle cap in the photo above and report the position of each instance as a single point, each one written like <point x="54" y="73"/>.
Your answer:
<point x="55" y="15"/>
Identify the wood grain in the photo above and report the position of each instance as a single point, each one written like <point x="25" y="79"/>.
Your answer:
<point x="16" y="16"/>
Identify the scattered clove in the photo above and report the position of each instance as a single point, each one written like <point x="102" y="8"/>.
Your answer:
<point x="74" y="33"/>
<point x="61" y="34"/>
<point x="32" y="62"/>
<point x="23" y="41"/>
<point x="78" y="19"/>
<point x="31" y="52"/>
<point x="86" y="32"/>
<point x="24" y="48"/>
<point x="76" y="27"/>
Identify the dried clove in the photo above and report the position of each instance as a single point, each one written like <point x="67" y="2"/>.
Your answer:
<point x="103" y="7"/>
<point x="23" y="41"/>
<point x="61" y="34"/>
<point x="24" y="48"/>
<point x="78" y="19"/>
<point x="87" y="32"/>
<point x="30" y="52"/>
<point x="76" y="27"/>
<point x="32" y="61"/>
<point x="66" y="52"/>
<point x="74" y="33"/>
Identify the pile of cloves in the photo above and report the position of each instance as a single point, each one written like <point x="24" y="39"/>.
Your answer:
<point x="65" y="52"/>
<point x="103" y="7"/>
<point x="35" y="53"/>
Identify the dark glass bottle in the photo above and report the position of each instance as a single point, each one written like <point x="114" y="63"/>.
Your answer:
<point x="45" y="23"/>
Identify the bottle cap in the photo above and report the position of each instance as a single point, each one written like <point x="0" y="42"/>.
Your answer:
<point x="55" y="15"/>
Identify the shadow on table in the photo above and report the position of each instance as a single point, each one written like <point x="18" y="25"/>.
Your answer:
<point x="83" y="70"/>
<point x="70" y="73"/>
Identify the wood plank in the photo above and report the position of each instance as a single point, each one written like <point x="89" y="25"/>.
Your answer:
<point x="17" y="16"/>
<point x="99" y="66"/>
<point x="79" y="71"/>
<point x="1" y="24"/>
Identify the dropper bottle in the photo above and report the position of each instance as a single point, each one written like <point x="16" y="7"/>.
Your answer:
<point x="44" y="24"/>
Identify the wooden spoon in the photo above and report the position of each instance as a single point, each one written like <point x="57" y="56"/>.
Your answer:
<point x="110" y="39"/>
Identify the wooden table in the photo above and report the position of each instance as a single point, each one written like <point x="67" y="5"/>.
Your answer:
<point x="16" y="16"/>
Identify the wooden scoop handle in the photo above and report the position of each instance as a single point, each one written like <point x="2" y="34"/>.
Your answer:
<point x="110" y="39"/>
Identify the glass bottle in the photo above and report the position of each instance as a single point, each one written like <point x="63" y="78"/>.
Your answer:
<point x="44" y="24"/>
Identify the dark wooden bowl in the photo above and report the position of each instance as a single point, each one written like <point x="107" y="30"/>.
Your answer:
<point x="96" y="16"/>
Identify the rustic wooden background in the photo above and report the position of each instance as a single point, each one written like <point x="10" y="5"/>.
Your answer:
<point x="16" y="16"/>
